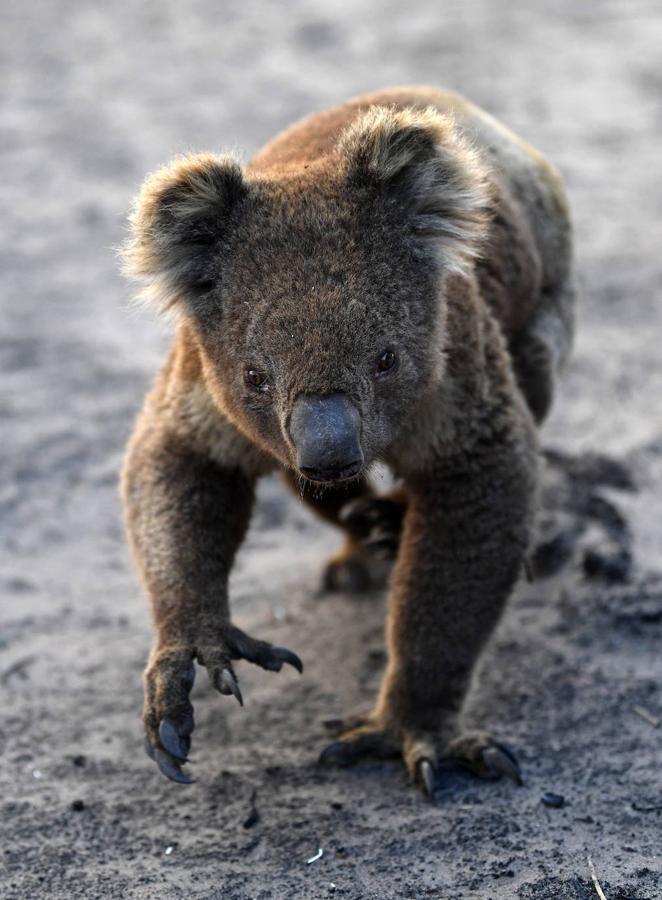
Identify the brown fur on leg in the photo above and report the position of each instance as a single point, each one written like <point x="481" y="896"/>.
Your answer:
<point x="186" y="515"/>
<point x="465" y="534"/>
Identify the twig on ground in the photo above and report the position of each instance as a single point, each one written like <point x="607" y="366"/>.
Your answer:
<point x="642" y="807"/>
<point x="594" y="879"/>
<point x="646" y="716"/>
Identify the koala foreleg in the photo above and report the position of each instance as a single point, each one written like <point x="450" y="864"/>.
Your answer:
<point x="464" y="540"/>
<point x="186" y="516"/>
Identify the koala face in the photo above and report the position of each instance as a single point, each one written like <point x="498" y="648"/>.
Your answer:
<point x="322" y="326"/>
<point x="316" y="293"/>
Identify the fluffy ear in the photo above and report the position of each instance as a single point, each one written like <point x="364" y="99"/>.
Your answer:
<point x="178" y="218"/>
<point x="439" y="180"/>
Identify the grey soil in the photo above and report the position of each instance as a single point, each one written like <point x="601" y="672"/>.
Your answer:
<point x="94" y="96"/>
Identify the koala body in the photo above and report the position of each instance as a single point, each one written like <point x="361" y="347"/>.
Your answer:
<point x="387" y="281"/>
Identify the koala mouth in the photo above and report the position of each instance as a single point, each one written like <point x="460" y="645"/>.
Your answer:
<point x="332" y="476"/>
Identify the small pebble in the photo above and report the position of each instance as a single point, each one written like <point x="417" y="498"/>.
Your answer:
<point x="168" y="850"/>
<point x="555" y="801"/>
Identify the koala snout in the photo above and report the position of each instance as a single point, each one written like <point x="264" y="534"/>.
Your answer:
<point x="326" y="431"/>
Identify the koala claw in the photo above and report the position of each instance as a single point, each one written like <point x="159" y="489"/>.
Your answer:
<point x="280" y="655"/>
<point x="363" y="740"/>
<point x="262" y="653"/>
<point x="426" y="773"/>
<point x="171" y="767"/>
<point x="369" y="739"/>
<point x="167" y="762"/>
<point x="337" y="753"/>
<point x="171" y="741"/>
<point x="501" y="761"/>
<point x="172" y="753"/>
<point x="485" y="757"/>
<point x="227" y="684"/>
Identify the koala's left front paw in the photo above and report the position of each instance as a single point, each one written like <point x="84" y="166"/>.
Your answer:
<point x="367" y="736"/>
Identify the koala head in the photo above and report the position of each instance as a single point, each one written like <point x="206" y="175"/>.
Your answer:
<point x="315" y="290"/>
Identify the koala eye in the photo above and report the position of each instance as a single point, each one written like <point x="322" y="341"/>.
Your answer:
<point x="385" y="363"/>
<point x="257" y="380"/>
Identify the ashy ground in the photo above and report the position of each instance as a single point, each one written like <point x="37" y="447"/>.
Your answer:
<point x="96" y="94"/>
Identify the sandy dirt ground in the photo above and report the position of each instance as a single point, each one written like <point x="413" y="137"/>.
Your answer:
<point x="95" y="95"/>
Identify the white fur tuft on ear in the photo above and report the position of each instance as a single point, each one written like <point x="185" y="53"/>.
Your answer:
<point x="177" y="220"/>
<point x="440" y="181"/>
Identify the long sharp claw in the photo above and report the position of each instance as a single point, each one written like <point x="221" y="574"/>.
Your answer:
<point x="170" y="767"/>
<point x="501" y="761"/>
<point x="171" y="740"/>
<point x="426" y="773"/>
<point x="149" y="750"/>
<point x="286" y="656"/>
<point x="228" y="685"/>
<point x="338" y="753"/>
<point x="262" y="653"/>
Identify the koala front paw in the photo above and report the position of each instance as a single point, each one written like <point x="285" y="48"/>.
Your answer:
<point x="169" y="678"/>
<point x="370" y="736"/>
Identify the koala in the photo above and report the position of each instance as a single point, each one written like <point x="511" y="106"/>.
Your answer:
<point x="389" y="281"/>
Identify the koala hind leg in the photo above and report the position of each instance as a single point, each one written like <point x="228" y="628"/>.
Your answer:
<point x="371" y="524"/>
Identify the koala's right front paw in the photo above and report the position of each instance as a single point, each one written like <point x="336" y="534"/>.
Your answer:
<point x="169" y="678"/>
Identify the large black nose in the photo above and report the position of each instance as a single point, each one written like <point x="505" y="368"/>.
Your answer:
<point x="326" y="430"/>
